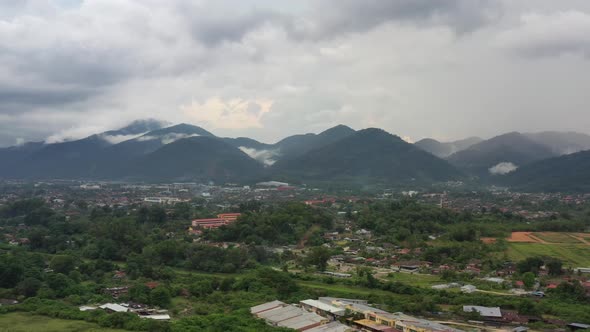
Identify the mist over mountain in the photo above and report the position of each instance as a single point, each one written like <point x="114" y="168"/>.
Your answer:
<point x="445" y="149"/>
<point x="512" y="150"/>
<point x="562" y="142"/>
<point x="564" y="173"/>
<point x="184" y="152"/>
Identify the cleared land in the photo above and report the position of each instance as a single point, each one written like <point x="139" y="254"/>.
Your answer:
<point x="522" y="237"/>
<point x="24" y="322"/>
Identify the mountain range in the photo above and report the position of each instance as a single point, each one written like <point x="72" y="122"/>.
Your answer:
<point x="150" y="150"/>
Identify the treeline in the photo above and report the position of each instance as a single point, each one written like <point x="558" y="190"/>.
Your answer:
<point x="288" y="223"/>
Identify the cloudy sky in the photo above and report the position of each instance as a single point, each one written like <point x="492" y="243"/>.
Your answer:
<point x="268" y="68"/>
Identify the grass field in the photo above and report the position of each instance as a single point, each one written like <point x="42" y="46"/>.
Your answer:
<point x="418" y="280"/>
<point x="24" y="322"/>
<point x="574" y="255"/>
<point x="554" y="237"/>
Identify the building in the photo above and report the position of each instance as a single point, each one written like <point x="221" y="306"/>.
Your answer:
<point x="210" y="223"/>
<point x="485" y="312"/>
<point x="277" y="313"/>
<point x="266" y="306"/>
<point x="323" y="309"/>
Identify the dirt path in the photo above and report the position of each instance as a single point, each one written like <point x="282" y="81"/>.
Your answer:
<point x="495" y="293"/>
<point x="538" y="239"/>
<point x="579" y="238"/>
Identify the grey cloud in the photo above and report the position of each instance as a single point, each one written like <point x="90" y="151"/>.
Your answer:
<point x="17" y="99"/>
<point x="545" y="35"/>
<point x="335" y="17"/>
<point x="212" y="30"/>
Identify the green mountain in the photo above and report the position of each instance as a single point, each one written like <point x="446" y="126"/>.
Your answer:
<point x="367" y="156"/>
<point x="510" y="150"/>
<point x="199" y="158"/>
<point x="297" y="145"/>
<point x="568" y="173"/>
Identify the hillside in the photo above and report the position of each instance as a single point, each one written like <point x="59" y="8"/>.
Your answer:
<point x="506" y="151"/>
<point x="198" y="158"/>
<point x="297" y="145"/>
<point x="445" y="149"/>
<point x="562" y="142"/>
<point x="368" y="156"/>
<point x="566" y="173"/>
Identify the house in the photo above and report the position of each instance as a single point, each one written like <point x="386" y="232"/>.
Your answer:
<point x="116" y="292"/>
<point x="113" y="307"/>
<point x="578" y="326"/>
<point x="468" y="289"/>
<point x="485" y="312"/>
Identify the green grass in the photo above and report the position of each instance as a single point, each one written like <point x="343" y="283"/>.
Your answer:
<point x="555" y="237"/>
<point x="25" y="322"/>
<point x="574" y="255"/>
<point x="418" y="280"/>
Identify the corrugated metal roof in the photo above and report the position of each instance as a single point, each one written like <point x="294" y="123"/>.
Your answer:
<point x="484" y="311"/>
<point x="266" y="306"/>
<point x="302" y="321"/>
<point x="324" y="306"/>
<point x="277" y="315"/>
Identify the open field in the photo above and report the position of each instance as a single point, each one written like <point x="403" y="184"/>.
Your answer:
<point x="573" y="255"/>
<point x="521" y="237"/>
<point x="25" y="322"/>
<point x="550" y="237"/>
<point x="418" y="280"/>
<point x="554" y="237"/>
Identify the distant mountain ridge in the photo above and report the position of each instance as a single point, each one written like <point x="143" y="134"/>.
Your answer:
<point x="370" y="155"/>
<point x="445" y="149"/>
<point x="569" y="172"/>
<point x="150" y="150"/>
<point x="512" y="148"/>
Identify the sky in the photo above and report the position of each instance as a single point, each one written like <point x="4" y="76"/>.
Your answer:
<point x="266" y="69"/>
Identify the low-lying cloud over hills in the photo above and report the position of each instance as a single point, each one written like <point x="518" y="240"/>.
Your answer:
<point x="339" y="154"/>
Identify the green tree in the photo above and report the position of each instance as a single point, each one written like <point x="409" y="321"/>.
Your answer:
<point x="554" y="267"/>
<point x="160" y="296"/>
<point x="528" y="279"/>
<point x="29" y="287"/>
<point x="318" y="256"/>
<point x="63" y="264"/>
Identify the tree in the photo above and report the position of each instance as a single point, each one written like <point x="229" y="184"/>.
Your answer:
<point x="29" y="287"/>
<point x="531" y="264"/>
<point x="160" y="296"/>
<point x="62" y="264"/>
<point x="554" y="267"/>
<point x="528" y="279"/>
<point x="319" y="256"/>
<point x="201" y="288"/>
<point x="157" y="214"/>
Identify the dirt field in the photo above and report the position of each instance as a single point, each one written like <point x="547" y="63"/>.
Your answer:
<point x="523" y="237"/>
<point x="550" y="238"/>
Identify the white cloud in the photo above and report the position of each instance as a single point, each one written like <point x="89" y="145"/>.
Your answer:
<point x="267" y="157"/>
<point x="235" y="113"/>
<point x="166" y="138"/>
<point x="503" y="168"/>
<point x="115" y="139"/>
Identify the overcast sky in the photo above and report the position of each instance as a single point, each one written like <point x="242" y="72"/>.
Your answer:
<point x="266" y="69"/>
